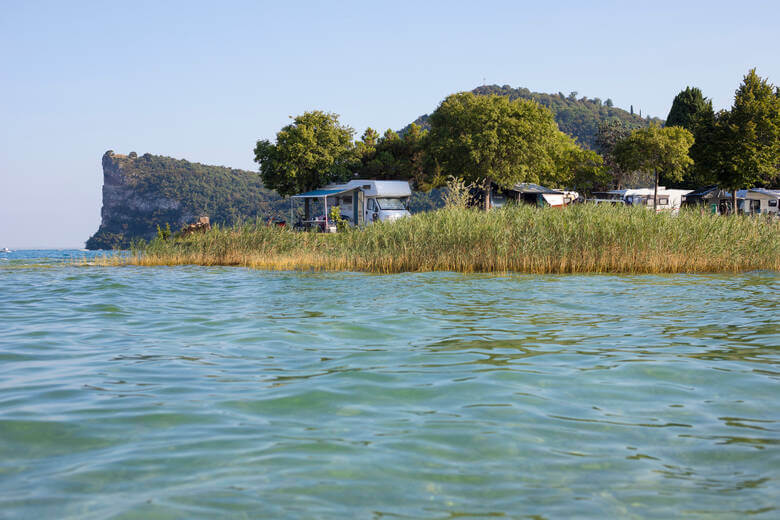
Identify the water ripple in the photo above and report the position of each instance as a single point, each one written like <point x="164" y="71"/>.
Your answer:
<point x="213" y="392"/>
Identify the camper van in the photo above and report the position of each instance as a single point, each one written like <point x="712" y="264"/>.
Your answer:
<point x="377" y="200"/>
<point x="360" y="202"/>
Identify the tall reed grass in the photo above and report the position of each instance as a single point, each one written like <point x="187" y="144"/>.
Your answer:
<point x="578" y="239"/>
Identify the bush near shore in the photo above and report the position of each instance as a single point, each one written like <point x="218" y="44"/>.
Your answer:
<point x="577" y="239"/>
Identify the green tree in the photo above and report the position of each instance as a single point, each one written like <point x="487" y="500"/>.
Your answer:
<point x="576" y="167"/>
<point x="365" y="149"/>
<point x="370" y="137"/>
<point x="493" y="140"/>
<point x="399" y="157"/>
<point x="657" y="150"/>
<point x="748" y="140"/>
<point x="686" y="107"/>
<point x="411" y="153"/>
<point x="609" y="134"/>
<point x="578" y="118"/>
<point x="692" y="111"/>
<point x="316" y="149"/>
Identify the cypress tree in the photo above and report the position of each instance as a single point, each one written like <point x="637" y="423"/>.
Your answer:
<point x="692" y="111"/>
<point x="687" y="107"/>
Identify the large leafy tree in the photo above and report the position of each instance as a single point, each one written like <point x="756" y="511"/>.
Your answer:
<point x="400" y="157"/>
<point x="692" y="111"/>
<point x="662" y="151"/>
<point x="491" y="139"/>
<point x="609" y="134"/>
<point x="748" y="136"/>
<point x="314" y="150"/>
<point x="575" y="167"/>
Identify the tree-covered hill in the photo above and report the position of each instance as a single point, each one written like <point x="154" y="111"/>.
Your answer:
<point x="578" y="118"/>
<point x="142" y="192"/>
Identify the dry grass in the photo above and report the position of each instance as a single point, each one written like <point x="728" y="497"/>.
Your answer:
<point x="579" y="239"/>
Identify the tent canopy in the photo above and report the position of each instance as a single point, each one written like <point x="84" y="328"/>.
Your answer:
<point x="528" y="187"/>
<point x="317" y="194"/>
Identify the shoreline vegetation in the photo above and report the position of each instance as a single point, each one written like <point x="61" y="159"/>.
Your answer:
<point x="516" y="238"/>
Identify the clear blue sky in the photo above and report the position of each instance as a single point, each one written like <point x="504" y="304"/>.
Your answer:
<point x="204" y="80"/>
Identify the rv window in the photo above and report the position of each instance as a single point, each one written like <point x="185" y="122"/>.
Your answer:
<point x="773" y="203"/>
<point x="663" y="201"/>
<point x="385" y="203"/>
<point x="371" y="205"/>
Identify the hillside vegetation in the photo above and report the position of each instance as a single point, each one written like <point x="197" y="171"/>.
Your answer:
<point x="142" y="192"/>
<point x="577" y="117"/>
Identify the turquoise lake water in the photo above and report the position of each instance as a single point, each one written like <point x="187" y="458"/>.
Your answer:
<point x="232" y="393"/>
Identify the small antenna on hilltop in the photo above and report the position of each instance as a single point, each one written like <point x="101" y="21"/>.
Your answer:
<point x="483" y="80"/>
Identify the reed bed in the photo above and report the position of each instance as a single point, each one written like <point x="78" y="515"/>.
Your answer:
<point x="578" y="239"/>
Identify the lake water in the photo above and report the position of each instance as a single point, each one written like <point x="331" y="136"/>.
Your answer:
<point x="225" y="392"/>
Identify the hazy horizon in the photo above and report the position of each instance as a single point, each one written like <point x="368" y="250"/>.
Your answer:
<point x="197" y="81"/>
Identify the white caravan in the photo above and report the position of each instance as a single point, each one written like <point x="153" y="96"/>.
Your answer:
<point x="758" y="201"/>
<point x="668" y="200"/>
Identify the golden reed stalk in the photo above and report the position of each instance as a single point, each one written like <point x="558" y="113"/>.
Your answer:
<point x="578" y="239"/>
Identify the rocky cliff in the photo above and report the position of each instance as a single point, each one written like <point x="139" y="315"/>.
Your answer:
<point x="142" y="192"/>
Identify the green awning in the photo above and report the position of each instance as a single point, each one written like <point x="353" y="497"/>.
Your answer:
<point x="317" y="194"/>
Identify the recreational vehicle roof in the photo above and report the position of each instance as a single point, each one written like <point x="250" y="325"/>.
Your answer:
<point x="764" y="191"/>
<point x="527" y="187"/>
<point x="646" y="191"/>
<point x="373" y="188"/>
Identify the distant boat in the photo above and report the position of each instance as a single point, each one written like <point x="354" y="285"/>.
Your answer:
<point x="5" y="250"/>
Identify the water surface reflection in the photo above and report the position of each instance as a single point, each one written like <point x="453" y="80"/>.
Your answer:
<point x="211" y="392"/>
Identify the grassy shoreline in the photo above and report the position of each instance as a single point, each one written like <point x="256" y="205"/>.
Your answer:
<point x="578" y="239"/>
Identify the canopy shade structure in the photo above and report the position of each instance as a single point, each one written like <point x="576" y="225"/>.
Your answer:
<point x="707" y="191"/>
<point x="316" y="194"/>
<point x="528" y="187"/>
<point x="323" y="194"/>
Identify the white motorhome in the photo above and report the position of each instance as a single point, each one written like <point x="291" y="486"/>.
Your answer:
<point x="382" y="200"/>
<point x="360" y="201"/>
<point x="668" y="199"/>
